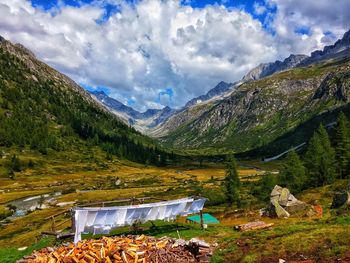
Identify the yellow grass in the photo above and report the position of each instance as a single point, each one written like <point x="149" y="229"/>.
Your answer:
<point x="23" y="231"/>
<point x="7" y="197"/>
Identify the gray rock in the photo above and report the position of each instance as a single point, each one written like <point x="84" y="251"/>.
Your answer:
<point x="340" y="199"/>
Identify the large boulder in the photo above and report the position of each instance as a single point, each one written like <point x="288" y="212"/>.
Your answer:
<point x="340" y="199"/>
<point x="283" y="203"/>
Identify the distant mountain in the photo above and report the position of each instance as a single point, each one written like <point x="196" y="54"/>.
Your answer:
<point x="115" y="104"/>
<point x="218" y="90"/>
<point x="267" y="69"/>
<point x="339" y="50"/>
<point x="142" y="121"/>
<point x="45" y="111"/>
<point x="283" y="96"/>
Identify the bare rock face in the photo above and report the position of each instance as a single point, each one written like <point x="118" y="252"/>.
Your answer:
<point x="267" y="69"/>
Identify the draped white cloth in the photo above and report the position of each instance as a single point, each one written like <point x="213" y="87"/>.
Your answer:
<point x="101" y="220"/>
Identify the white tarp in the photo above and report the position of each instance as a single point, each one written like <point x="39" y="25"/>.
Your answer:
<point x="101" y="220"/>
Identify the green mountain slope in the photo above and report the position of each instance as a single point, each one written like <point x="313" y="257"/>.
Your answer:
<point x="259" y="112"/>
<point x="45" y="111"/>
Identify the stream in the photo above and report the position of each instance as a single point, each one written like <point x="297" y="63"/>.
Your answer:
<point x="27" y="204"/>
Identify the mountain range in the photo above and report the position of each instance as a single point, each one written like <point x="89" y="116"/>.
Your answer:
<point x="270" y="100"/>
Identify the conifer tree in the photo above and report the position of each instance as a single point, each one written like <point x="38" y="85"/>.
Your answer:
<point x="293" y="173"/>
<point x="328" y="157"/>
<point x="232" y="182"/>
<point x="320" y="159"/>
<point x="342" y="146"/>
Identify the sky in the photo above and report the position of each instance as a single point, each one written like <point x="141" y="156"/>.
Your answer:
<point x="156" y="53"/>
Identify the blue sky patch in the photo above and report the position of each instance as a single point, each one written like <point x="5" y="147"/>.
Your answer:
<point x="303" y="30"/>
<point x="167" y="92"/>
<point x="90" y="88"/>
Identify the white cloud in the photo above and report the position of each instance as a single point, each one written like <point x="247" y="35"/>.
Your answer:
<point x="319" y="17"/>
<point x="259" y="9"/>
<point x="152" y="45"/>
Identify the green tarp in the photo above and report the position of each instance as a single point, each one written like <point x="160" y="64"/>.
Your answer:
<point x="207" y="219"/>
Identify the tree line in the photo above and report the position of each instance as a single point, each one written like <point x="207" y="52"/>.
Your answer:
<point x="327" y="158"/>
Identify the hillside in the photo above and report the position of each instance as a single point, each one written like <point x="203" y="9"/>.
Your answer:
<point x="42" y="110"/>
<point x="258" y="112"/>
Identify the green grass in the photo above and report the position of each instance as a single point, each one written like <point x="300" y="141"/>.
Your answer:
<point x="10" y="255"/>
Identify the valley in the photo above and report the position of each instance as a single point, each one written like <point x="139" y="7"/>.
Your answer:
<point x="325" y="238"/>
<point x="273" y="146"/>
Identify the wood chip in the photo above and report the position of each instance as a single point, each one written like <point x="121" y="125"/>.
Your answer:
<point x="130" y="249"/>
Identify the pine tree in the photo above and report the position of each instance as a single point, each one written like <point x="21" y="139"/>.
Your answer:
<point x="320" y="159"/>
<point x="312" y="160"/>
<point x="293" y="173"/>
<point x="232" y="182"/>
<point x="342" y="146"/>
<point x="328" y="157"/>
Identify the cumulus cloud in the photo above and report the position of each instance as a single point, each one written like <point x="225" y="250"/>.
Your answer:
<point x="303" y="26"/>
<point x="143" y="48"/>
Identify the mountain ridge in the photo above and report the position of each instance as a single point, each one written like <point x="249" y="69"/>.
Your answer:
<point x="258" y="111"/>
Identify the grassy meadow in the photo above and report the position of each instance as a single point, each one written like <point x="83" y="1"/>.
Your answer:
<point x="94" y="179"/>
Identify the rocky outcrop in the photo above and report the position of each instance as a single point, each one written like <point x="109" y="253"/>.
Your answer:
<point x="335" y="85"/>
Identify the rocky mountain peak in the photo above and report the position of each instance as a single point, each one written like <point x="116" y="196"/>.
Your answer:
<point x="267" y="69"/>
<point x="340" y="46"/>
<point x="219" y="89"/>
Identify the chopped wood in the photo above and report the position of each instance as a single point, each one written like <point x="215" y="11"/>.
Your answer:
<point x="253" y="226"/>
<point x="130" y="249"/>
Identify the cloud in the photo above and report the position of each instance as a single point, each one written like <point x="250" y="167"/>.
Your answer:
<point x="302" y="26"/>
<point x="259" y="9"/>
<point x="140" y="49"/>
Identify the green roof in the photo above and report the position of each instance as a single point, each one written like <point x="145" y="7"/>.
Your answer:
<point x="207" y="219"/>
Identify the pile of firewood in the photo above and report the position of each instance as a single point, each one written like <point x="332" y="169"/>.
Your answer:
<point x="130" y="249"/>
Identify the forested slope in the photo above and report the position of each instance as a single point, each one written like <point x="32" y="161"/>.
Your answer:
<point x="43" y="110"/>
